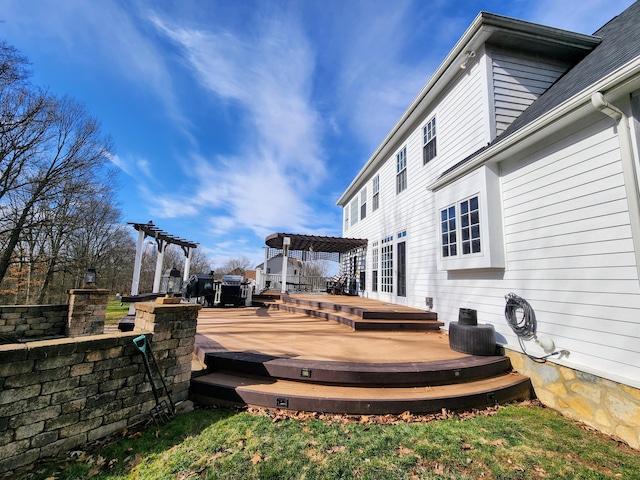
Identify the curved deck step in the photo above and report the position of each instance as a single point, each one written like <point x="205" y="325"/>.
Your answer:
<point x="265" y="392"/>
<point x="355" y="373"/>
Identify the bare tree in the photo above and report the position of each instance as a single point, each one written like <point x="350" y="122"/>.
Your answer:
<point x="71" y="148"/>
<point x="316" y="268"/>
<point x="235" y="265"/>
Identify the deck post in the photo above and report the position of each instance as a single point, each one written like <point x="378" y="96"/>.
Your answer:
<point x="286" y="241"/>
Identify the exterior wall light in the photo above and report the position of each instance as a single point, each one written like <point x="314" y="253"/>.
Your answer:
<point x="467" y="56"/>
<point x="171" y="282"/>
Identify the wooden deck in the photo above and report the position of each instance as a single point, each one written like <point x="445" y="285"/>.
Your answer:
<point x="289" y="355"/>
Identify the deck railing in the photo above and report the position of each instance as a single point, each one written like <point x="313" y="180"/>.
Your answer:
<point x="297" y="283"/>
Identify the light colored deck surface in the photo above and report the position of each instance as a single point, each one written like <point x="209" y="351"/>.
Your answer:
<point x="278" y="333"/>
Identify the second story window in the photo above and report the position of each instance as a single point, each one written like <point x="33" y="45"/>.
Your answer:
<point x="429" y="141"/>
<point x="401" y="170"/>
<point x="376" y="192"/>
<point x="363" y="203"/>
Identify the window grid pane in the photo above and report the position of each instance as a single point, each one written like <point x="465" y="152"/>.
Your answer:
<point x="429" y="150"/>
<point x="363" y="203"/>
<point x="470" y="226"/>
<point x="376" y="191"/>
<point x="401" y="170"/>
<point x="386" y="257"/>
<point x="374" y="272"/>
<point x="448" y="222"/>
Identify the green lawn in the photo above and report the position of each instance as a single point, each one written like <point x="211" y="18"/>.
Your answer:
<point x="114" y="311"/>
<point x="519" y="441"/>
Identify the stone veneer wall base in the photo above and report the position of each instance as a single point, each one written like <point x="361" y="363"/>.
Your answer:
<point x="610" y="407"/>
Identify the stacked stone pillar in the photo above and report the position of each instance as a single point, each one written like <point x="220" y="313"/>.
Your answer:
<point x="172" y="340"/>
<point x="87" y="311"/>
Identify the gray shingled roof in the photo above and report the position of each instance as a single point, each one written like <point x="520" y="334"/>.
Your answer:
<point x="620" y="44"/>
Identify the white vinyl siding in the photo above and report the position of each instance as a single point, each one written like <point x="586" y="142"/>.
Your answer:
<point x="354" y="211"/>
<point x="517" y="82"/>
<point x="569" y="253"/>
<point x="462" y="119"/>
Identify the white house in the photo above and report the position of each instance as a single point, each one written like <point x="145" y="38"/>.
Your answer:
<point x="515" y="169"/>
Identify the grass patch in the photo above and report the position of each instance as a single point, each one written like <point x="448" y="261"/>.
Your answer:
<point x="115" y="311"/>
<point x="519" y="441"/>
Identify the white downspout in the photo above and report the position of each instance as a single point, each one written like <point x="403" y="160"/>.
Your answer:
<point x="628" y="167"/>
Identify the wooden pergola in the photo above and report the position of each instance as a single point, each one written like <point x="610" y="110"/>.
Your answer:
<point x="163" y="240"/>
<point x="310" y="247"/>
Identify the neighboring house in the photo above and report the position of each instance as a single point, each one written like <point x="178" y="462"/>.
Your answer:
<point x="274" y="266"/>
<point x="510" y="173"/>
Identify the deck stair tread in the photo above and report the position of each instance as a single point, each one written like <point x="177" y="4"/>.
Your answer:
<point x="269" y="392"/>
<point x="353" y="373"/>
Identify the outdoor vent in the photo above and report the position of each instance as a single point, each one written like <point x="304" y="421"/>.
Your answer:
<point x="305" y="372"/>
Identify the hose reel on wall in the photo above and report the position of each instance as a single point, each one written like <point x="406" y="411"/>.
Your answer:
<point x="522" y="319"/>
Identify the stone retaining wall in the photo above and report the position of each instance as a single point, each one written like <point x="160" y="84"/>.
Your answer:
<point x="33" y="321"/>
<point x="57" y="395"/>
<point x="611" y="407"/>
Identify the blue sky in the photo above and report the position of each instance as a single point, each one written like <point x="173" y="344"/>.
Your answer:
<point x="232" y="120"/>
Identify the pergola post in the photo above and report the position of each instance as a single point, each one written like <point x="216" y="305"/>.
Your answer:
<point x="187" y="263"/>
<point x="159" y="259"/>
<point x="265" y="269"/>
<point x="285" y="257"/>
<point x="135" y="284"/>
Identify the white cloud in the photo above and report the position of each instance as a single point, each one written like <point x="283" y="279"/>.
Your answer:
<point x="267" y="182"/>
<point x="100" y="35"/>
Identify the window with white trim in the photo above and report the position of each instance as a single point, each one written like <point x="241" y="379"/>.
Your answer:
<point x="429" y="150"/>
<point x="461" y="228"/>
<point x="363" y="203"/>
<point x="376" y="192"/>
<point x="470" y="214"/>
<point x="386" y="258"/>
<point x="401" y="170"/>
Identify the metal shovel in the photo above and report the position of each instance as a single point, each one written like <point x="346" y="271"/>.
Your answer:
<point x="162" y="412"/>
